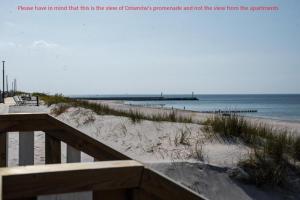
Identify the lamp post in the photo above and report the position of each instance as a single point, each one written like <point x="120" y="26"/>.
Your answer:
<point x="3" y="90"/>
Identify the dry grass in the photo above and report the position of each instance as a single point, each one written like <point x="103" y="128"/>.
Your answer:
<point x="262" y="169"/>
<point x="296" y="149"/>
<point x="59" y="109"/>
<point x="183" y="137"/>
<point x="102" y="109"/>
<point x="198" y="152"/>
<point x="90" y="118"/>
<point x="272" y="149"/>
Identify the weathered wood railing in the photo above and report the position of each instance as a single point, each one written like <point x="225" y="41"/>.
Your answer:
<point x="116" y="177"/>
<point x="25" y="182"/>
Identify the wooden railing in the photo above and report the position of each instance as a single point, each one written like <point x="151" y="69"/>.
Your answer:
<point x="115" y="177"/>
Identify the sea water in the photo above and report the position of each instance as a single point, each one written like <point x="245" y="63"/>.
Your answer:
<point x="278" y="106"/>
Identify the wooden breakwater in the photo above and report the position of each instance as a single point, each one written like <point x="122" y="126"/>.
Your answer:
<point x="230" y="111"/>
<point x="139" y="98"/>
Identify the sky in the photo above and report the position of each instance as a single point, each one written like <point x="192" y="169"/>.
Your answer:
<point x="138" y="52"/>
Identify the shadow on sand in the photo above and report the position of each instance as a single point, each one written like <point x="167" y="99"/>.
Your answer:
<point x="215" y="183"/>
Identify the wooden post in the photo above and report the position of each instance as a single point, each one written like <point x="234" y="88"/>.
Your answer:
<point x="37" y="101"/>
<point x="73" y="155"/>
<point x="26" y="148"/>
<point x="138" y="194"/>
<point x="29" y="198"/>
<point x="69" y="196"/>
<point x="52" y="149"/>
<point x="112" y="195"/>
<point x="3" y="149"/>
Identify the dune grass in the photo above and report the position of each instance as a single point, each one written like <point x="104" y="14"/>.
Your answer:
<point x="60" y="108"/>
<point x="273" y="149"/>
<point x="102" y="109"/>
<point x="296" y="148"/>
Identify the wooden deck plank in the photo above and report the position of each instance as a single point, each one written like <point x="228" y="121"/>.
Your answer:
<point x="23" y="182"/>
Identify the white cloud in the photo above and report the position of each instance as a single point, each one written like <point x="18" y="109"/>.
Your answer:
<point x="43" y="44"/>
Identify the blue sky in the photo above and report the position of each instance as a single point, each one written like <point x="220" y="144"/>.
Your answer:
<point x="145" y="52"/>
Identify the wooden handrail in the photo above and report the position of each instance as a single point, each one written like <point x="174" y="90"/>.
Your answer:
<point x="25" y="122"/>
<point x="29" y="181"/>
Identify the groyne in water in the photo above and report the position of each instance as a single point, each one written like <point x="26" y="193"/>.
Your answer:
<point x="139" y="98"/>
<point x="229" y="111"/>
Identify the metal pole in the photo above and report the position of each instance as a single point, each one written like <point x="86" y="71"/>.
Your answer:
<point x="3" y="90"/>
<point x="7" y="84"/>
<point x="15" y="88"/>
<point x="12" y="87"/>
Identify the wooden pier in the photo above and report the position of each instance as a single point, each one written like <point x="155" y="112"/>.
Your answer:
<point x="113" y="175"/>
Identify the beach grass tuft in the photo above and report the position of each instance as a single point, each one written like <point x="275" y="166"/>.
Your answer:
<point x="272" y="149"/>
<point x="59" y="109"/>
<point x="296" y="149"/>
<point x="263" y="170"/>
<point x="183" y="137"/>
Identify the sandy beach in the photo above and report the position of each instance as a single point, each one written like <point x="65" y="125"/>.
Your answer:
<point x="200" y="161"/>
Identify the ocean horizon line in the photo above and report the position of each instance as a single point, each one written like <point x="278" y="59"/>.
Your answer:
<point x="166" y="94"/>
